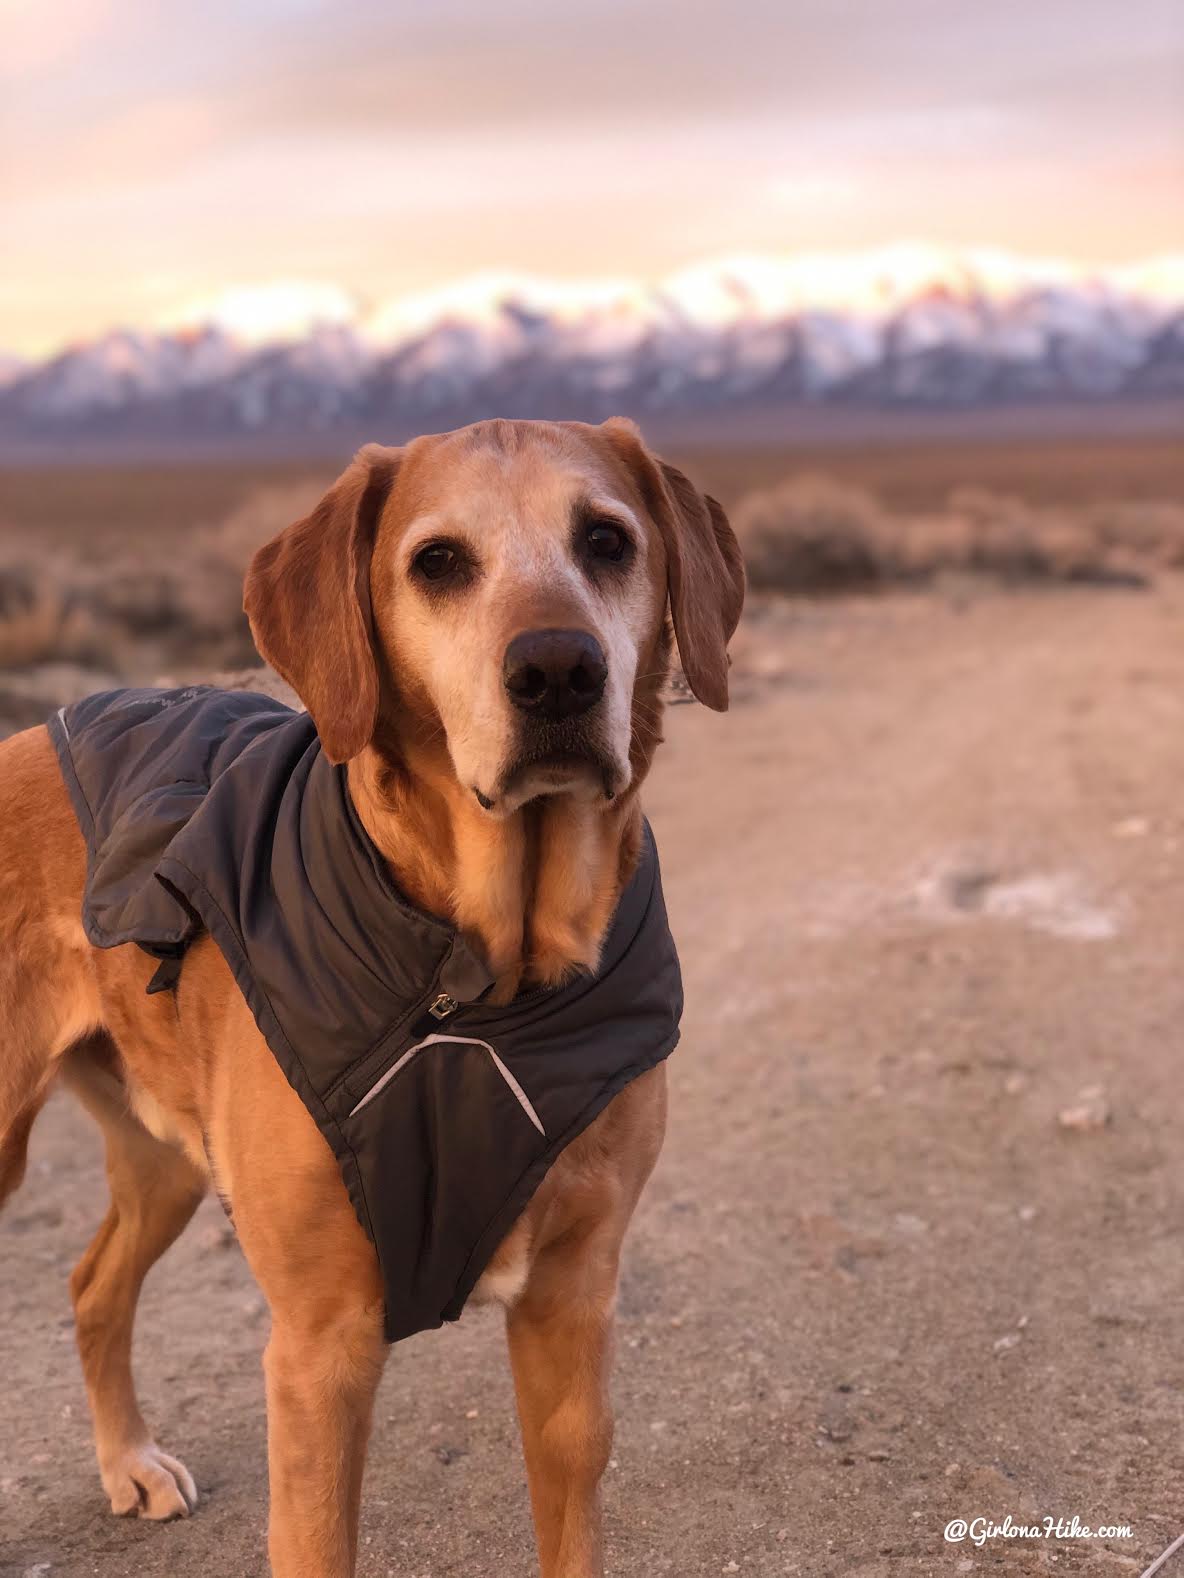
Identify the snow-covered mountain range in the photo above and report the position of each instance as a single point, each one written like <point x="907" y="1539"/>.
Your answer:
<point x="905" y="326"/>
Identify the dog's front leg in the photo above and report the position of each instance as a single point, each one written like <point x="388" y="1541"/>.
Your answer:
<point x="321" y="1378"/>
<point x="560" y="1335"/>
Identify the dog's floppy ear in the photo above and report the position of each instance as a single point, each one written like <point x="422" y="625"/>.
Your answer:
<point x="705" y="569"/>
<point x="307" y="596"/>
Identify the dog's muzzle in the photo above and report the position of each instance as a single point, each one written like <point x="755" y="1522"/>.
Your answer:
<point x="554" y="674"/>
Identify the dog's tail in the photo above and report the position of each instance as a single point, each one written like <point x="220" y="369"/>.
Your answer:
<point x="27" y="1076"/>
<point x="14" y="1147"/>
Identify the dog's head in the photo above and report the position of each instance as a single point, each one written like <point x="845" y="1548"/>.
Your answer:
<point x="508" y="585"/>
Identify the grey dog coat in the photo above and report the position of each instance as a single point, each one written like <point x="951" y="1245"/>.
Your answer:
<point x="218" y="811"/>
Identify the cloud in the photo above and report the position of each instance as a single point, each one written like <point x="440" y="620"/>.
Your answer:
<point x="154" y="140"/>
<point x="391" y="146"/>
<point x="39" y="36"/>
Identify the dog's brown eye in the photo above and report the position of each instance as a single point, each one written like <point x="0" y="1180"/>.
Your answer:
<point x="436" y="561"/>
<point x="606" y="541"/>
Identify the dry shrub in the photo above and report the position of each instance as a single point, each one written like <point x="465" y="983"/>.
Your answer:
<point x="1151" y="530"/>
<point x="43" y="616"/>
<point x="813" y="535"/>
<point x="259" y="517"/>
<point x="32" y="614"/>
<point x="175" y="607"/>
<point x="1016" y="541"/>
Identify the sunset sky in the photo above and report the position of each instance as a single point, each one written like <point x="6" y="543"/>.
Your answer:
<point x="154" y="154"/>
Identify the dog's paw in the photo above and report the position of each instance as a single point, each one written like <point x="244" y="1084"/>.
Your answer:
<point x="144" y="1482"/>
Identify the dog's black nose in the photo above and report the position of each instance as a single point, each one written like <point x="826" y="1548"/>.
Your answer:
<point x="554" y="673"/>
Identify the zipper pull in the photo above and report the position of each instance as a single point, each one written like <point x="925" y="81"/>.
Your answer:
<point x="442" y="1006"/>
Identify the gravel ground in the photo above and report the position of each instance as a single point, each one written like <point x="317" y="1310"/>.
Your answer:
<point x="914" y="1250"/>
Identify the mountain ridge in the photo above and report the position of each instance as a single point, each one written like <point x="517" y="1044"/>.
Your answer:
<point x="907" y="327"/>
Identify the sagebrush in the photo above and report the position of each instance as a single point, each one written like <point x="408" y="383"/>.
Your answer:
<point x="83" y="613"/>
<point x="812" y="535"/>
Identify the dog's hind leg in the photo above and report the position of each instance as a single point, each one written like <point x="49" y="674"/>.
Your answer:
<point x="155" y="1189"/>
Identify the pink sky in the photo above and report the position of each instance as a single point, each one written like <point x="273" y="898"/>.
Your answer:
<point x="153" y="155"/>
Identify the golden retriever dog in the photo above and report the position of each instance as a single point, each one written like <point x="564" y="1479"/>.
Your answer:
<point x="391" y="610"/>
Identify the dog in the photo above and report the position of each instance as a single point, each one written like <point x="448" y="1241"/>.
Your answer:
<point x="480" y="626"/>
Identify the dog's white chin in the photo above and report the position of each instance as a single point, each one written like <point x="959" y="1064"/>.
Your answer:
<point x="583" y="781"/>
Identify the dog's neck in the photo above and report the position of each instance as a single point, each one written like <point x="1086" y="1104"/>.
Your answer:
<point x="535" y="890"/>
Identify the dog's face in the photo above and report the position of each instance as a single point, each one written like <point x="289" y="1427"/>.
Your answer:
<point x="508" y="584"/>
<point x="516" y="584"/>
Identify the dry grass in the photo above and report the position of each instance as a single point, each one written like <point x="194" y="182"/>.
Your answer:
<point x="167" y="605"/>
<point x="90" y="508"/>
<point x="815" y="535"/>
<point x="133" y="573"/>
<point x="916" y="476"/>
<point x="93" y="509"/>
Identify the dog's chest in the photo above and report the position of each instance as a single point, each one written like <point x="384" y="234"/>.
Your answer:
<point x="215" y="813"/>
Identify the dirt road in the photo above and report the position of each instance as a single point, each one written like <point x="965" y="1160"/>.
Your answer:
<point x="928" y="882"/>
